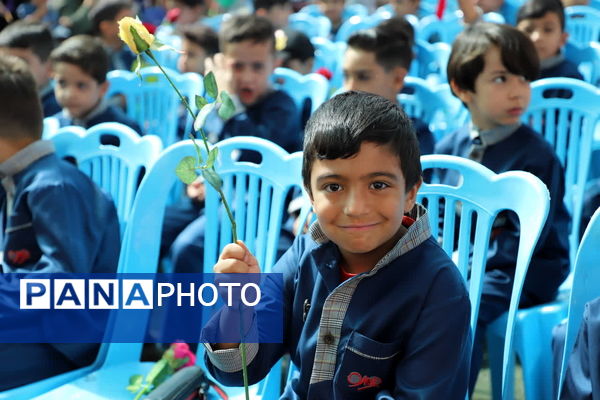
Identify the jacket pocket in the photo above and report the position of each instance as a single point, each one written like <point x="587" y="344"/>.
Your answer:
<point x="365" y="367"/>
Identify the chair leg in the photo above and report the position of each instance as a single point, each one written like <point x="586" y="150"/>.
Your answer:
<point x="495" y="348"/>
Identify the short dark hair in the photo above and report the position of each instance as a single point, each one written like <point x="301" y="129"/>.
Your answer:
<point x="86" y="52"/>
<point x="106" y="11"/>
<point x="191" y="3"/>
<point x="268" y="4"/>
<point x="203" y="36"/>
<point x="33" y="36"/>
<point x="21" y="111"/>
<point x="391" y="41"/>
<point x="339" y="127"/>
<point x="468" y="50"/>
<point x="251" y="27"/>
<point x="533" y="9"/>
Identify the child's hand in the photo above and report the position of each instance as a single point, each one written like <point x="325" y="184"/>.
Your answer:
<point x="236" y="259"/>
<point x="196" y="190"/>
<point x="223" y="75"/>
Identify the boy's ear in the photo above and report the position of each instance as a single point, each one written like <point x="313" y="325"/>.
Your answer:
<point x="463" y="94"/>
<point x="411" y="196"/>
<point x="563" y="38"/>
<point x="399" y="74"/>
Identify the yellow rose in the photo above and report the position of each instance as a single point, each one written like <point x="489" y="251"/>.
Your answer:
<point x="144" y="40"/>
<point x="280" y="40"/>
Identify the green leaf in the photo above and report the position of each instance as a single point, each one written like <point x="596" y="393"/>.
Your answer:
<point x="201" y="102"/>
<point x="135" y="383"/>
<point x="212" y="157"/>
<point x="186" y="170"/>
<point x="140" y="44"/>
<point x="210" y="85"/>
<point x="157" y="372"/>
<point x="227" y="109"/>
<point x="213" y="178"/>
<point x="202" y="115"/>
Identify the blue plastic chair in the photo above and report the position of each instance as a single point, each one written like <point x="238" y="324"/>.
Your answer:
<point x="312" y="26"/>
<point x="355" y="24"/>
<point x="117" y="167"/>
<point x="215" y="21"/>
<point x="582" y="24"/>
<point x="587" y="59"/>
<point x="430" y="61"/>
<point x="51" y="126"/>
<point x="433" y="106"/>
<point x="568" y="124"/>
<point x="152" y="102"/>
<point x="431" y="29"/>
<point x="349" y="11"/>
<point x="257" y="196"/>
<point x="478" y="210"/>
<point x="168" y="58"/>
<point x="326" y="54"/>
<point x="302" y="87"/>
<point x="586" y="276"/>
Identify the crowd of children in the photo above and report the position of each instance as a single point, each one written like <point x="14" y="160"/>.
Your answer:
<point x="385" y="301"/>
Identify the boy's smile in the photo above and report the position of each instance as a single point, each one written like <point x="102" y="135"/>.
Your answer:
<point x="360" y="202"/>
<point x="500" y="97"/>
<point x="249" y="65"/>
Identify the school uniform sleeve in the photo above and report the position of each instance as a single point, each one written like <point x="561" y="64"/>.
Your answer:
<point x="424" y="135"/>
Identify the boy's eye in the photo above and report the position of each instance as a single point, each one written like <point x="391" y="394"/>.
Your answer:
<point x="332" y="187"/>
<point x="61" y="83"/>
<point x="257" y="67"/>
<point x="363" y="76"/>
<point x="379" y="185"/>
<point x="81" y="85"/>
<point x="499" y="79"/>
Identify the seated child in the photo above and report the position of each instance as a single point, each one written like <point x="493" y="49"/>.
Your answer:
<point x="368" y="293"/>
<point x="33" y="43"/>
<point x="405" y="7"/>
<point x="489" y="70"/>
<point x="298" y="53"/>
<point x="377" y="60"/>
<point x="333" y="9"/>
<point x="105" y="17"/>
<point x="276" y="11"/>
<point x="198" y="43"/>
<point x="80" y="66"/>
<point x="544" y="22"/>
<point x="53" y="218"/>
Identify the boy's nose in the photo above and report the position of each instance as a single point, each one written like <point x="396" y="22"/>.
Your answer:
<point x="357" y="203"/>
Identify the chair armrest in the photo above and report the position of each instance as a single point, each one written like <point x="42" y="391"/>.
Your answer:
<point x="180" y="385"/>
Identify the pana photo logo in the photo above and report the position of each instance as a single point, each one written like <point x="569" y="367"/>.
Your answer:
<point x="45" y="294"/>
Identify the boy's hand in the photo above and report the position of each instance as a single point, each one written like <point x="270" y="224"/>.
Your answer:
<point x="196" y="190"/>
<point x="223" y="75"/>
<point x="236" y="259"/>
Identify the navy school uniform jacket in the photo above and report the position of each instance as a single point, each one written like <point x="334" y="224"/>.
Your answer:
<point x="49" y="104"/>
<point x="525" y="150"/>
<point x="53" y="219"/>
<point x="102" y="113"/>
<point x="424" y="135"/>
<point x="559" y="67"/>
<point x="404" y="325"/>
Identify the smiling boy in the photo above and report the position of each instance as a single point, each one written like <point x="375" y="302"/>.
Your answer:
<point x="372" y="306"/>
<point x="489" y="70"/>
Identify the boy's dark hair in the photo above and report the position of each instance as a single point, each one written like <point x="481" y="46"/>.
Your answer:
<point x="191" y="3"/>
<point x="297" y="47"/>
<point x="106" y="11"/>
<point x="468" y="50"/>
<point x="268" y="4"/>
<point x="533" y="9"/>
<point x="21" y="111"/>
<point x="33" y="36"/>
<point x="203" y="36"/>
<point x="339" y="127"/>
<point x="239" y="28"/>
<point x="86" y="52"/>
<point x="391" y="41"/>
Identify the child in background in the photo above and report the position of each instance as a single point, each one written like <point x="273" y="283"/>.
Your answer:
<point x="105" y="16"/>
<point x="489" y="70"/>
<point x="405" y="7"/>
<point x="53" y="218"/>
<point x="544" y="22"/>
<point x="80" y="65"/>
<point x="372" y="306"/>
<point x="276" y="11"/>
<point x="33" y="43"/>
<point x="198" y="43"/>
<point x="377" y="60"/>
<point x="298" y="53"/>
<point x="333" y="9"/>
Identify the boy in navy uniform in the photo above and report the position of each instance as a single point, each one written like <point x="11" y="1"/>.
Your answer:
<point x="80" y="65"/>
<point x="367" y="293"/>
<point x="377" y="60"/>
<point x="489" y="70"/>
<point x="33" y="43"/>
<point x="544" y="22"/>
<point x="53" y="218"/>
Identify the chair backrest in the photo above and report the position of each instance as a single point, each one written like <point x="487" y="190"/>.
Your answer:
<point x="582" y="24"/>
<point x="51" y="126"/>
<point x="568" y="123"/>
<point x="302" y="87"/>
<point x="431" y="105"/>
<point x="430" y="61"/>
<point x="586" y="276"/>
<point x="432" y="29"/>
<point x="312" y="26"/>
<point x="357" y="23"/>
<point x="167" y="58"/>
<point x="141" y="242"/>
<point x="326" y="54"/>
<point x="215" y="21"/>
<point x="113" y="155"/>
<point x="152" y="102"/>
<point x="587" y="59"/>
<point x="349" y="11"/>
<point x="475" y="201"/>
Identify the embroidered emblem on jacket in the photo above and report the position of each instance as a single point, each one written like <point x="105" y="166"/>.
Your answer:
<point x="356" y="380"/>
<point x="18" y="257"/>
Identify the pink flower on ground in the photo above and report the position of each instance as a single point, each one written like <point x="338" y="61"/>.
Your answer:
<point x="181" y="351"/>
